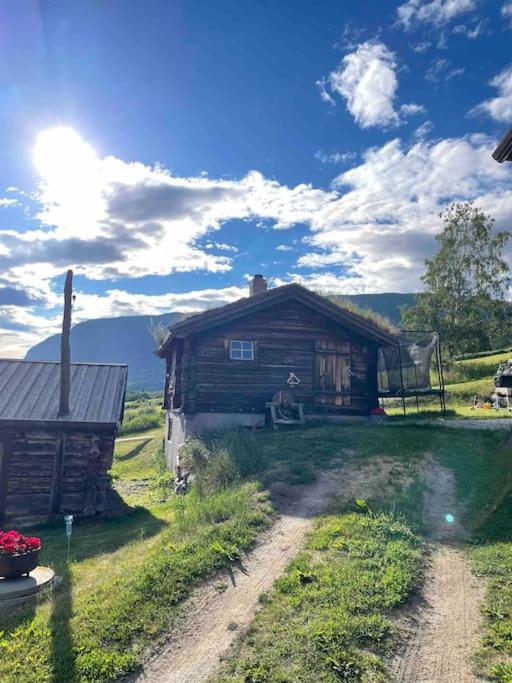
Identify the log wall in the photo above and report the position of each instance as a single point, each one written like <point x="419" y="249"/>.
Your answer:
<point x="284" y="337"/>
<point x="43" y="473"/>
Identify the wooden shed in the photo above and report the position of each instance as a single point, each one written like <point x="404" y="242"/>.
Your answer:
<point x="51" y="465"/>
<point x="224" y="365"/>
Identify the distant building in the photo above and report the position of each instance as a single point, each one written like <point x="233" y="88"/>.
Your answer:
<point x="503" y="151"/>
<point x="224" y="365"/>
<point x="50" y="465"/>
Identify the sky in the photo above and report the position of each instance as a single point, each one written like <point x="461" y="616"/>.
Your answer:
<point x="166" y="150"/>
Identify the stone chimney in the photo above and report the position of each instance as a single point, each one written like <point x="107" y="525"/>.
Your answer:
<point x="257" y="285"/>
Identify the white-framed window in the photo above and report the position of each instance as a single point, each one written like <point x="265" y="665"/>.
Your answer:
<point x="241" y="350"/>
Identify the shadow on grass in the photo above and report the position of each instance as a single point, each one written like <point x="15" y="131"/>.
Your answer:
<point x="134" y="452"/>
<point x="91" y="537"/>
<point x="63" y="650"/>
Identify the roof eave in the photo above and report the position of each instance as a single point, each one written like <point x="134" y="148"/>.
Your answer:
<point x="503" y="151"/>
<point x="253" y="304"/>
<point x="57" y="425"/>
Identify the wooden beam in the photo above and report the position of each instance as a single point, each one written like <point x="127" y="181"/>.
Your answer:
<point x="65" y="354"/>
<point x="5" y="459"/>
<point x="58" y="475"/>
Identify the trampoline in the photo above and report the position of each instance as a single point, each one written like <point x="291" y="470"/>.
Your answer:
<point x="404" y="368"/>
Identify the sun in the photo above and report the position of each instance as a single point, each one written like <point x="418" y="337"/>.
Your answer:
<point x="60" y="154"/>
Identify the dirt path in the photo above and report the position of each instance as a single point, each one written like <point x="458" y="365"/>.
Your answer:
<point x="441" y="628"/>
<point x="215" y="619"/>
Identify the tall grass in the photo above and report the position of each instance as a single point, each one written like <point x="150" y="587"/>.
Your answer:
<point x="456" y="373"/>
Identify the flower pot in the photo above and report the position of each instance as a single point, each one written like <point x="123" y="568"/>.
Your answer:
<point x="12" y="566"/>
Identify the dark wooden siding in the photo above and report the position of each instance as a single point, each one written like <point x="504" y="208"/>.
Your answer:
<point x="47" y="472"/>
<point x="284" y="337"/>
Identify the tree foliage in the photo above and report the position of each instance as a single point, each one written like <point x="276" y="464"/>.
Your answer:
<point x="465" y="284"/>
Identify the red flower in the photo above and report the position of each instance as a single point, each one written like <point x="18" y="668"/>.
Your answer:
<point x="14" y="543"/>
<point x="33" y="543"/>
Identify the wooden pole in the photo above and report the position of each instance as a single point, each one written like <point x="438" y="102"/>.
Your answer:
<point x="401" y="376"/>
<point x="65" y="356"/>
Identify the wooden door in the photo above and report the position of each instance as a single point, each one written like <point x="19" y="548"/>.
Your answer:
<point x="332" y="373"/>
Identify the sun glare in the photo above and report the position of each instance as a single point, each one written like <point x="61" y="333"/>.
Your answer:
<point x="71" y="176"/>
<point x="60" y="153"/>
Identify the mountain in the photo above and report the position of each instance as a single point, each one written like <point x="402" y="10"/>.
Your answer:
<point x="387" y="304"/>
<point x="128" y="339"/>
<point x="114" y="340"/>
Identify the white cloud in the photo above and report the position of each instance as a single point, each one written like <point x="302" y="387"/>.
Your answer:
<point x="382" y="227"/>
<point x="422" y="46"/>
<point x="506" y="13"/>
<point x="335" y="157"/>
<point x="424" y="130"/>
<point x="107" y="219"/>
<point x="435" y="12"/>
<point x="412" y="109"/>
<point x="478" y="29"/>
<point x="321" y="84"/>
<point x="371" y="232"/>
<point x="221" y="246"/>
<point x="367" y="81"/>
<point x="21" y="328"/>
<point x="442" y="70"/>
<point x="284" y="247"/>
<point x="7" y="202"/>
<point x="500" y="107"/>
<point x="117" y="302"/>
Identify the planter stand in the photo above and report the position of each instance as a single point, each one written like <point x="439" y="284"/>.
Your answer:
<point x="22" y="588"/>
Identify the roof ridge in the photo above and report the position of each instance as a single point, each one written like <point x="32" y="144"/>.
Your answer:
<point x="244" y="305"/>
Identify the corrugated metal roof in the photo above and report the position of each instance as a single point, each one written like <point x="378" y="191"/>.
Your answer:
<point x="29" y="391"/>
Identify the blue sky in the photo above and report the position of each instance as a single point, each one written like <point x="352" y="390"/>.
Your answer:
<point x="166" y="150"/>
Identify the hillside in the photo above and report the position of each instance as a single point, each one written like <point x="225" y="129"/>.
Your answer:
<point x="387" y="304"/>
<point x="116" y="340"/>
<point x="128" y="339"/>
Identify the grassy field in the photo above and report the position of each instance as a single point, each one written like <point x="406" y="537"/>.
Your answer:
<point x="139" y="460"/>
<point x="309" y="629"/>
<point x="463" y="379"/>
<point x="142" y="412"/>
<point x="126" y="578"/>
<point x="128" y="575"/>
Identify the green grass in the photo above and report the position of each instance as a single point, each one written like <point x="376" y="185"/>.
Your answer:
<point x="328" y="618"/>
<point x="494" y="562"/>
<point x="142" y="414"/>
<point x="127" y="577"/>
<point x="138" y="460"/>
<point x="282" y="645"/>
<point x="463" y="379"/>
<point x="474" y="368"/>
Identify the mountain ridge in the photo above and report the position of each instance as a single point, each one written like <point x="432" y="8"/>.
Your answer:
<point x="104" y="340"/>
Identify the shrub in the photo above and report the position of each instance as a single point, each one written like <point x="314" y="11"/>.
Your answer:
<point x="243" y="447"/>
<point x="194" y="455"/>
<point x="219" y="472"/>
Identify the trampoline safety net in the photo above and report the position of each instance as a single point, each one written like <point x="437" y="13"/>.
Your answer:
<point x="407" y="364"/>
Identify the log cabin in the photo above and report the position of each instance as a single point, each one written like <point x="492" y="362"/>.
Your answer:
<point x="55" y="461"/>
<point x="224" y="365"/>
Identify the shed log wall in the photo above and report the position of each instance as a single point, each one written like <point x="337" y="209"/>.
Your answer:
<point x="285" y="337"/>
<point x="45" y="473"/>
